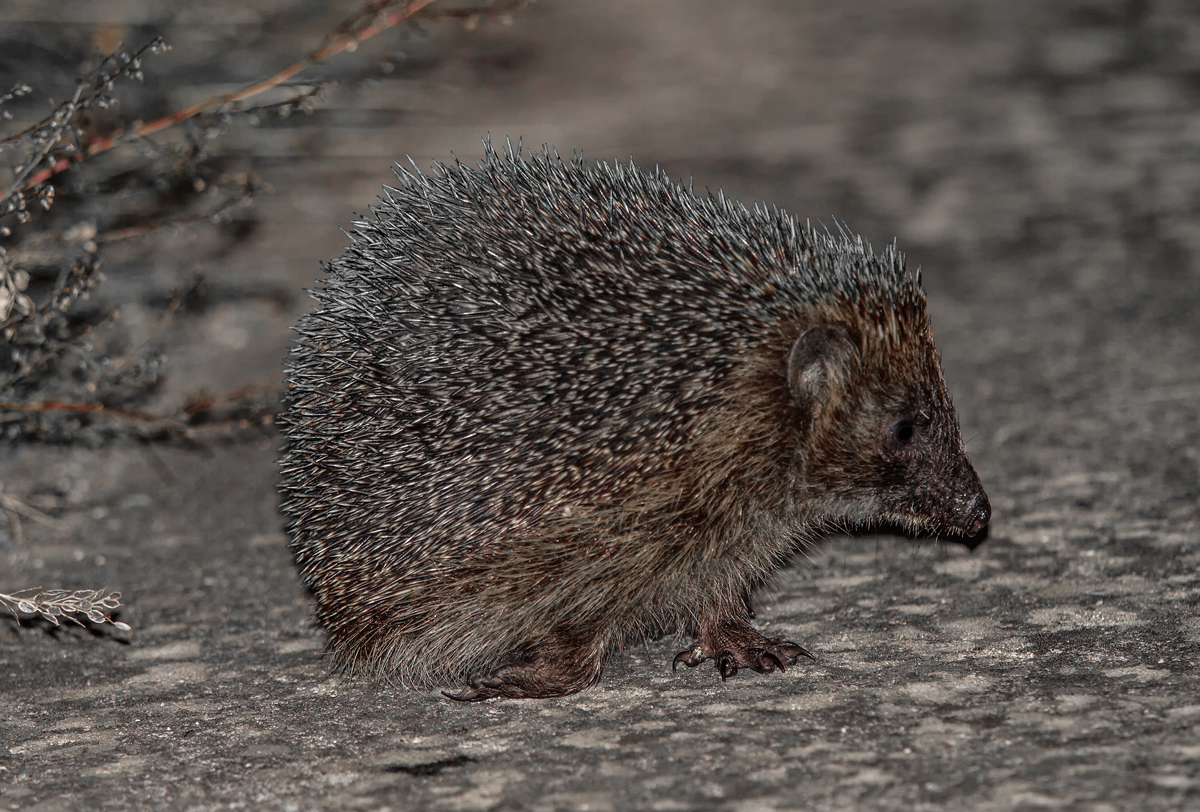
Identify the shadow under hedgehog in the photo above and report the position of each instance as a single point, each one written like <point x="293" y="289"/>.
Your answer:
<point x="545" y="408"/>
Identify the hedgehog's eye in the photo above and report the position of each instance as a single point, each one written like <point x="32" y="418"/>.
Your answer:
<point x="903" y="432"/>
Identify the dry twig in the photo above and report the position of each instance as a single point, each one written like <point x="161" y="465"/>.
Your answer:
<point x="53" y="604"/>
<point x="363" y="26"/>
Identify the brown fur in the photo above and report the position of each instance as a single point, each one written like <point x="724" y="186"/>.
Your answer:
<point x="490" y="497"/>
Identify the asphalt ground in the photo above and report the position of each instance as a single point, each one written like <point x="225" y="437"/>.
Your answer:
<point x="1038" y="161"/>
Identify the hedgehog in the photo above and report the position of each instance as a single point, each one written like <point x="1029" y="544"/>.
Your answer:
<point x="544" y="408"/>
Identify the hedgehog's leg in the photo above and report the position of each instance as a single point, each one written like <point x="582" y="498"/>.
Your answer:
<point x="561" y="665"/>
<point x="727" y="637"/>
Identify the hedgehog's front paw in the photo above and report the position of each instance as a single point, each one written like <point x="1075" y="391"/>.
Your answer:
<point x="770" y="655"/>
<point x="734" y="644"/>
<point x="691" y="657"/>
<point x="764" y="658"/>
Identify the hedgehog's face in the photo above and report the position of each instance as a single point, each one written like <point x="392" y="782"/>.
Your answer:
<point x="882" y="444"/>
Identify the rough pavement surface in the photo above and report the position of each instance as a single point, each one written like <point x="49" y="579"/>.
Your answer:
<point x="1038" y="160"/>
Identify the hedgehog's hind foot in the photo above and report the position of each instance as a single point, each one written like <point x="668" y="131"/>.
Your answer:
<point x="734" y="644"/>
<point x="540" y="676"/>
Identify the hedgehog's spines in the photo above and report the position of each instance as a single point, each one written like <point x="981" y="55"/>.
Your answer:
<point x="519" y="366"/>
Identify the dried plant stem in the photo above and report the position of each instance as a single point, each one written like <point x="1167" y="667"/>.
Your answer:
<point x="60" y="406"/>
<point x="59" y="132"/>
<point x="26" y="178"/>
<point x="53" y="604"/>
<point x="14" y="505"/>
<point x="348" y="39"/>
<point x="177" y="423"/>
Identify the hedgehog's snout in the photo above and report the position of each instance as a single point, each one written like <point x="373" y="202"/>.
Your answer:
<point x="979" y="515"/>
<point x="974" y="511"/>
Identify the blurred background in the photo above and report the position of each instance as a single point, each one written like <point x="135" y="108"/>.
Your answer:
<point x="1036" y="160"/>
<point x="1032" y="150"/>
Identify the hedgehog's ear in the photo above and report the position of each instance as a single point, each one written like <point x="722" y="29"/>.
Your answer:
<point x="820" y="357"/>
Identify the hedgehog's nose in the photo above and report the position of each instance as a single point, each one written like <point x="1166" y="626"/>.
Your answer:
<point x="978" y="516"/>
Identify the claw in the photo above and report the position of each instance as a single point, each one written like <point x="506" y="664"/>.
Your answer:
<point x="691" y="657"/>
<point x="800" y="652"/>
<point x="770" y="655"/>
<point x="738" y="648"/>
<point x="465" y="694"/>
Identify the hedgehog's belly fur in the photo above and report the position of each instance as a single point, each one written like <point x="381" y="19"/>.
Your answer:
<point x="438" y="622"/>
